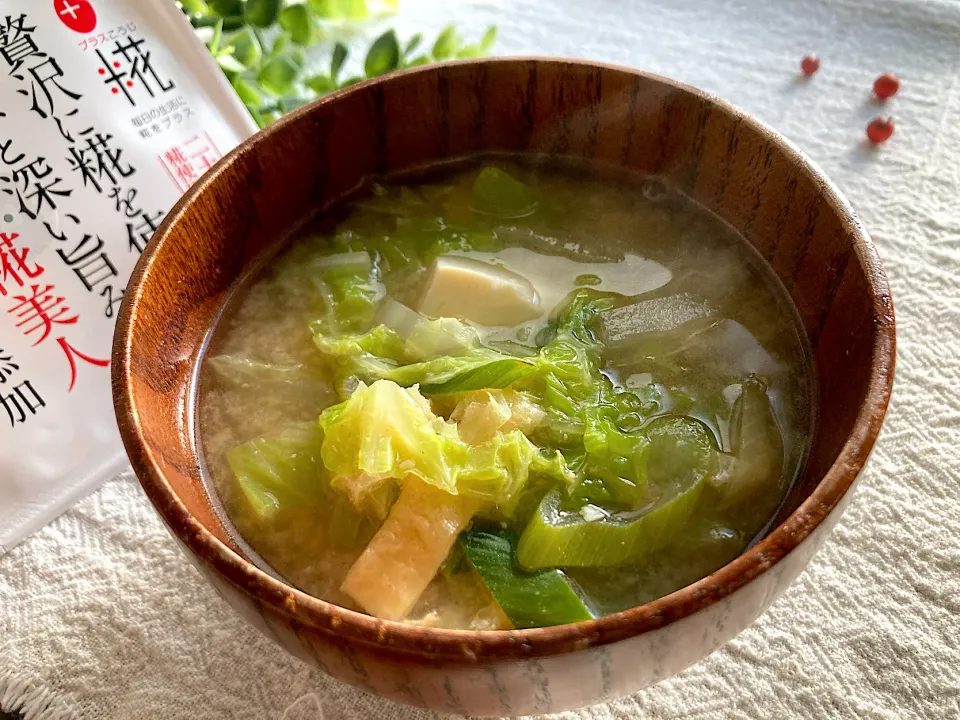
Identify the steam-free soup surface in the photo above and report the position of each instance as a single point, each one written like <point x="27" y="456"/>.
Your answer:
<point x="505" y="396"/>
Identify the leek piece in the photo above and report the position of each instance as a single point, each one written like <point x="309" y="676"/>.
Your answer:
<point x="681" y="459"/>
<point x="529" y="599"/>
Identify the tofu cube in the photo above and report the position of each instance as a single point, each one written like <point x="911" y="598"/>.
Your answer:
<point x="475" y="291"/>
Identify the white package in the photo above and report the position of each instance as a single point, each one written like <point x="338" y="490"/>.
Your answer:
<point x="109" y="110"/>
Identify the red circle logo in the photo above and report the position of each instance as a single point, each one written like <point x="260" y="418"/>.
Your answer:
<point x="78" y="15"/>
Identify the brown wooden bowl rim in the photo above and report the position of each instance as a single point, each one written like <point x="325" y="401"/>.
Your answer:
<point x="473" y="646"/>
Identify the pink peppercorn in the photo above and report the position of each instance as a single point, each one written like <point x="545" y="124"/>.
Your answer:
<point x="886" y="86"/>
<point x="880" y="129"/>
<point x="810" y="64"/>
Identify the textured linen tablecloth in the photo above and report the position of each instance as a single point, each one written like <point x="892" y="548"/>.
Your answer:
<point x="101" y="616"/>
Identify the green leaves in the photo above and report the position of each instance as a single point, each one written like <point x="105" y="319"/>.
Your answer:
<point x="261" y="13"/>
<point x="446" y="43"/>
<point x="383" y="56"/>
<point x="248" y="92"/>
<point x="489" y="38"/>
<point x="223" y="55"/>
<point x="449" y="45"/>
<point x="280" y="43"/>
<point x="226" y="8"/>
<point x="300" y="23"/>
<point x="412" y="44"/>
<point x="229" y="64"/>
<point x="321" y="84"/>
<point x="336" y="62"/>
<point x="273" y="41"/>
<point x="214" y="45"/>
<point x="278" y="75"/>
<point x="246" y="48"/>
<point x="195" y="7"/>
<point x="340" y="9"/>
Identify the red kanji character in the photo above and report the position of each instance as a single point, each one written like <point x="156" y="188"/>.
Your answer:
<point x="18" y="266"/>
<point x="175" y="156"/>
<point x="204" y="153"/>
<point x="142" y="65"/>
<point x="180" y="166"/>
<point x="35" y="310"/>
<point x="140" y="71"/>
<point x="70" y="352"/>
<point x="186" y="174"/>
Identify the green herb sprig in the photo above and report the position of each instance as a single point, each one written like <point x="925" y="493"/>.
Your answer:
<point x="263" y="47"/>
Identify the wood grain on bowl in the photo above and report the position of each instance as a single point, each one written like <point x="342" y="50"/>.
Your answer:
<point x="256" y="196"/>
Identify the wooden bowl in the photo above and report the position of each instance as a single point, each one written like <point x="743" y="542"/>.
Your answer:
<point x="742" y="171"/>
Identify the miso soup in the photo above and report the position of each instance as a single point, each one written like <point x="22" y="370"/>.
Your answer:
<point x="505" y="395"/>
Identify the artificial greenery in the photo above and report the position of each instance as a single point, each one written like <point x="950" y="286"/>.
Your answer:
<point x="263" y="47"/>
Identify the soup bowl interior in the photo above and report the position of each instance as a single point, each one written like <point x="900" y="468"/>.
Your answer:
<point x="262" y="192"/>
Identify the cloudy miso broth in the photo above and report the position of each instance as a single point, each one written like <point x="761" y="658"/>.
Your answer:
<point x="505" y="395"/>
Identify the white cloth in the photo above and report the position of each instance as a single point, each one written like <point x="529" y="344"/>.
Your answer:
<point x="101" y="617"/>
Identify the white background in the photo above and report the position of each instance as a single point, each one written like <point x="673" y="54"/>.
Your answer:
<point x="71" y="444"/>
<point x="100" y="611"/>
